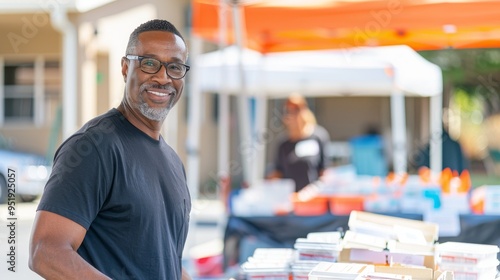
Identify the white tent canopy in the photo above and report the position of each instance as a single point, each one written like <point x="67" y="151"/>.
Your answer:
<point x="394" y="71"/>
<point x="360" y="71"/>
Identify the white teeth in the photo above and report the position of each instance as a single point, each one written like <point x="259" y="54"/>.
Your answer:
<point x="159" y="93"/>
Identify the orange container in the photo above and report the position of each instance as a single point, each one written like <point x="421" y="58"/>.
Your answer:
<point x="344" y="204"/>
<point x="315" y="206"/>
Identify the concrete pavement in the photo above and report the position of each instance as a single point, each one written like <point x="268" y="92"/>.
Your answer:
<point x="24" y="212"/>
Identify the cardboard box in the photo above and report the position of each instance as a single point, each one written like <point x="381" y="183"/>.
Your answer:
<point x="417" y="273"/>
<point x="385" y="226"/>
<point x="443" y="275"/>
<point x="330" y="270"/>
<point x="399" y="247"/>
<point x="383" y="276"/>
<point x="363" y="241"/>
<point x="353" y="255"/>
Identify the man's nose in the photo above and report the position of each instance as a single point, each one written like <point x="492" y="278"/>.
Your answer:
<point x="161" y="76"/>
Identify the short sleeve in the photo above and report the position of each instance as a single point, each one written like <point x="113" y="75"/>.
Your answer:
<point x="79" y="182"/>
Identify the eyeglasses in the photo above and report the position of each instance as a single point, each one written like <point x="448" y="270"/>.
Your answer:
<point x="175" y="70"/>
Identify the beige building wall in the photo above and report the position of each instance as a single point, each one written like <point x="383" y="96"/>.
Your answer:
<point x="102" y="83"/>
<point x="28" y="34"/>
<point x="30" y="37"/>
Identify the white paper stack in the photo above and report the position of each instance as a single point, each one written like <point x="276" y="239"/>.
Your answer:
<point x="468" y="261"/>
<point x="339" y="271"/>
<point x="301" y="269"/>
<point x="266" y="271"/>
<point x="383" y="276"/>
<point x="319" y="246"/>
<point x="316" y="247"/>
<point x="268" y="264"/>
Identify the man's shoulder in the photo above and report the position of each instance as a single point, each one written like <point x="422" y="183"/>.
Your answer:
<point x="99" y="130"/>
<point x="104" y="123"/>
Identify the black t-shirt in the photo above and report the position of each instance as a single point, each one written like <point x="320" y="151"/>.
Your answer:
<point x="129" y="191"/>
<point x="303" y="160"/>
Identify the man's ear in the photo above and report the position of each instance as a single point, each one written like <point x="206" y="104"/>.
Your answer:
<point x="124" y="69"/>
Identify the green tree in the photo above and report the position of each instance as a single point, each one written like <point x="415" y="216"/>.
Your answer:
<point x="474" y="71"/>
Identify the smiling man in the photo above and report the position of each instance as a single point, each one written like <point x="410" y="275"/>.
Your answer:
<point x="117" y="204"/>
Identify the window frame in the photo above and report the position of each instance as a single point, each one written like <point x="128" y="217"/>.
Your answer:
<point x="39" y="89"/>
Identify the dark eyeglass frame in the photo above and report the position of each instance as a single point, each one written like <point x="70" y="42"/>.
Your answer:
<point x="165" y="64"/>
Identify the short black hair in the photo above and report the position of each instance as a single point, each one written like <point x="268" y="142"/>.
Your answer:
<point x="152" y="25"/>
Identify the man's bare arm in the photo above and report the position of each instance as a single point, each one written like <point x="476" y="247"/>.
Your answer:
<point x="53" y="245"/>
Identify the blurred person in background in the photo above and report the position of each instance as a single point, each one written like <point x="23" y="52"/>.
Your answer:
<point x="452" y="154"/>
<point x="117" y="204"/>
<point x="301" y="153"/>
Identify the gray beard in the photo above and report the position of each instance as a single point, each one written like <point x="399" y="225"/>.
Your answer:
<point x="152" y="113"/>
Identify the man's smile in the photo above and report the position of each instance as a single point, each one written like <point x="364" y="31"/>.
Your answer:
<point x="160" y="95"/>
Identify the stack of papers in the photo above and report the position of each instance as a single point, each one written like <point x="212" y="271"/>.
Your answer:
<point x="468" y="261"/>
<point x="383" y="276"/>
<point x="319" y="246"/>
<point x="316" y="247"/>
<point x="268" y="263"/>
<point x="340" y="271"/>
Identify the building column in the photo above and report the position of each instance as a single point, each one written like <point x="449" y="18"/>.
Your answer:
<point x="60" y="22"/>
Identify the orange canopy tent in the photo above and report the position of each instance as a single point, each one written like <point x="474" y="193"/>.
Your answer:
<point x="285" y="25"/>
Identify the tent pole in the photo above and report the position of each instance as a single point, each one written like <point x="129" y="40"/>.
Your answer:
<point x="398" y="119"/>
<point x="436" y="139"/>
<point x="60" y="21"/>
<point x="194" y="106"/>
<point x="193" y="135"/>
<point x="260" y="138"/>
<point x="246" y="144"/>
<point x="223" y="173"/>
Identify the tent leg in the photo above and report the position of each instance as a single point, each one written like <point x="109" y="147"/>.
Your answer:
<point x="246" y="143"/>
<point x="398" y="119"/>
<point x="260" y="139"/>
<point x="436" y="147"/>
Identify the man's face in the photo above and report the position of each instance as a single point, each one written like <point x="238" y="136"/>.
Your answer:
<point x="153" y="95"/>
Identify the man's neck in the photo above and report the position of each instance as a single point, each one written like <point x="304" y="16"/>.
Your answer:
<point x="150" y="127"/>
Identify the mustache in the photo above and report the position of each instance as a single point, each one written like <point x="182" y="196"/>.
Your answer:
<point x="145" y="87"/>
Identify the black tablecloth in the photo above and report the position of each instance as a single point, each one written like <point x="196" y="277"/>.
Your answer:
<point x="244" y="234"/>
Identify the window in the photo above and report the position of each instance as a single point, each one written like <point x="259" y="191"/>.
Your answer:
<point x="31" y="91"/>
<point x="19" y="79"/>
